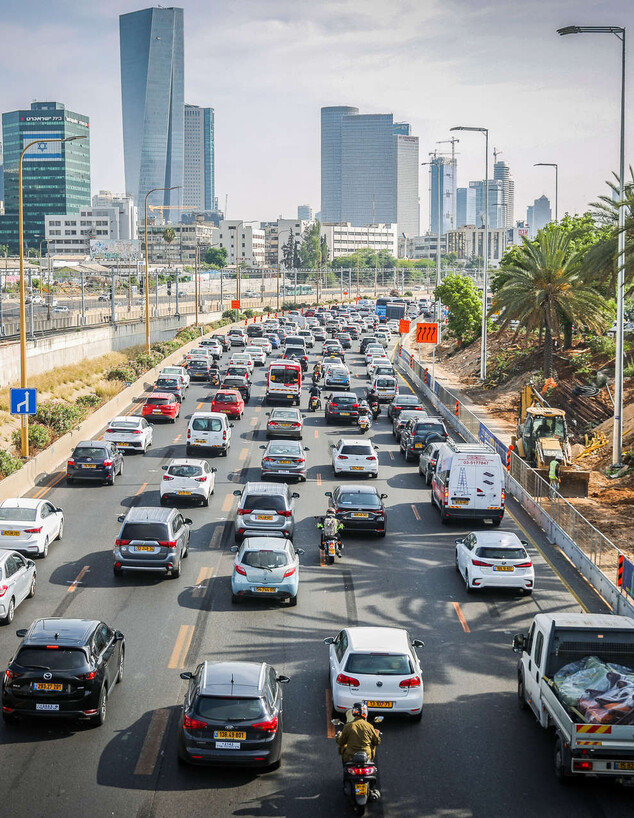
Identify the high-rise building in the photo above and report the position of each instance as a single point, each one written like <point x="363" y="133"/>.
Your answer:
<point x="152" y="98"/>
<point x="443" y="173"/>
<point x="1" y="181"/>
<point x="304" y="213"/>
<point x="502" y="173"/>
<point x="465" y="206"/>
<point x="407" y="165"/>
<point x="539" y="215"/>
<point x="331" y="124"/>
<point x="199" y="174"/>
<point x="497" y="208"/>
<point x="56" y="175"/>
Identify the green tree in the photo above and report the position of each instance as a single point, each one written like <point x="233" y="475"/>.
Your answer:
<point x="323" y="246"/>
<point x="289" y="252"/>
<point x="310" y="248"/>
<point x="544" y="283"/>
<point x="462" y="297"/>
<point x="216" y="257"/>
<point x="169" y="235"/>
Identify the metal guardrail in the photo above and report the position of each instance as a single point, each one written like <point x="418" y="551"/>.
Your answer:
<point x="596" y="556"/>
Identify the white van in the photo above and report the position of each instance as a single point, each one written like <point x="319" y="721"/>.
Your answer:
<point x="386" y="387"/>
<point x="469" y="483"/>
<point x="209" y="430"/>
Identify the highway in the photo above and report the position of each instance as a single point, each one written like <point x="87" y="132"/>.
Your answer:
<point x="473" y="754"/>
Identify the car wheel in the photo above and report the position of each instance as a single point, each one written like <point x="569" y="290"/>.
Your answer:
<point x="382" y="533"/>
<point x="204" y="502"/>
<point x="521" y="700"/>
<point x="188" y="450"/>
<point x="176" y="570"/>
<point x="235" y="599"/>
<point x="111" y="481"/>
<point x="560" y="760"/>
<point x="418" y="716"/>
<point x="44" y="552"/>
<point x="457" y="567"/>
<point x="33" y="588"/>
<point x="8" y="718"/>
<point x="60" y="533"/>
<point x="8" y="619"/>
<point x="121" y="469"/>
<point x="121" y="670"/>
<point x="497" y="522"/>
<point x="118" y="572"/>
<point x="163" y="500"/>
<point x="69" y="481"/>
<point x="467" y="583"/>
<point x="292" y="602"/>
<point x="102" y="708"/>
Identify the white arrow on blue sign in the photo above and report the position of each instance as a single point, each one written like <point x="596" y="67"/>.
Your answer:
<point x="23" y="401"/>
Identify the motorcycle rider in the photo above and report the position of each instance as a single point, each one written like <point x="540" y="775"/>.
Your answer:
<point x="364" y="412"/>
<point x="316" y="372"/>
<point x="359" y="736"/>
<point x="331" y="527"/>
<point x="314" y="392"/>
<point x="214" y="373"/>
<point x="373" y="401"/>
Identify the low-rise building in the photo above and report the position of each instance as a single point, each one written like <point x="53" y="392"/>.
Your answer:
<point x="244" y="240"/>
<point x="343" y="238"/>
<point x="468" y="242"/>
<point x="181" y="250"/>
<point x="421" y="246"/>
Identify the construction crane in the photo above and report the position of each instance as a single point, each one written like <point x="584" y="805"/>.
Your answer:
<point x="496" y="153"/>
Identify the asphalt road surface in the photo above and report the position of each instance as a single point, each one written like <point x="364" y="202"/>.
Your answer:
<point x="473" y="754"/>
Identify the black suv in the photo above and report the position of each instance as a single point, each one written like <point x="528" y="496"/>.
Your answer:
<point x="94" y="460"/>
<point x="401" y="402"/>
<point x="418" y="433"/>
<point x="238" y="382"/>
<point x="344" y="407"/>
<point x="365" y="343"/>
<point x="232" y="715"/>
<point x="63" y="667"/>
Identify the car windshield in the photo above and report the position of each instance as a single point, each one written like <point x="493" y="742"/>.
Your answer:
<point x="228" y="708"/>
<point x="144" y="531"/>
<point x="379" y="664"/>
<point x="223" y="397"/>
<point x="58" y="659"/>
<point x="283" y="375"/>
<point x="15" y="514"/>
<point x="206" y="425"/>
<point x="264" y="559"/>
<point x="124" y="424"/>
<point x="90" y="451"/>
<point x="265" y="501"/>
<point x="493" y="553"/>
<point x="283" y="448"/>
<point x="185" y="471"/>
<point x="367" y="499"/>
<point x="356" y="448"/>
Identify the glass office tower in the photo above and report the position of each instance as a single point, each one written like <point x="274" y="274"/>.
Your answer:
<point x="152" y="98"/>
<point x="331" y="161"/>
<point x="56" y="176"/>
<point x="199" y="186"/>
<point x="443" y="173"/>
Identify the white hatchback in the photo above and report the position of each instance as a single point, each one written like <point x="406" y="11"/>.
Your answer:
<point x="243" y="359"/>
<point x="494" y="559"/>
<point x="130" y="432"/>
<point x="262" y="343"/>
<point x="178" y="372"/>
<point x="257" y="354"/>
<point x="187" y="479"/>
<point x="29" y="525"/>
<point x="378" y="666"/>
<point x="355" y="457"/>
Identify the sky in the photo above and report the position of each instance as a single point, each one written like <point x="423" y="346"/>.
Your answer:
<point x="268" y="66"/>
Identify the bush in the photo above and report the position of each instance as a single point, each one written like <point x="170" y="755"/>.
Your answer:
<point x="231" y="314"/>
<point x="123" y="373"/>
<point x="628" y="371"/>
<point x="39" y="437"/>
<point x="8" y="463"/>
<point x="601" y="345"/>
<point x="91" y="399"/>
<point x="165" y="348"/>
<point x="249" y="313"/>
<point x="145" y="361"/>
<point x="581" y="363"/>
<point x="59" y="416"/>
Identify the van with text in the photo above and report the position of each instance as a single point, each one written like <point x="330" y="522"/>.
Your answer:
<point x="284" y="382"/>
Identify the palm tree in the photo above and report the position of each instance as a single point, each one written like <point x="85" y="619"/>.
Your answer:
<point x="169" y="234"/>
<point x="544" y="283"/>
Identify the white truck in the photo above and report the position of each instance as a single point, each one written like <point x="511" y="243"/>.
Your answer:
<point x="576" y="673"/>
<point x="468" y="483"/>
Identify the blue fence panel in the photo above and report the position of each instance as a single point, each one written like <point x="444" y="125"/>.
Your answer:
<point x="489" y="438"/>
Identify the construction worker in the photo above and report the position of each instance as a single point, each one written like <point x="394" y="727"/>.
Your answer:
<point x="554" y="475"/>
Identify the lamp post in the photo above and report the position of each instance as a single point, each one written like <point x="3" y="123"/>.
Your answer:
<point x="485" y="283"/>
<point x="23" y="371"/>
<point x="556" y="166"/>
<point x="147" y="270"/>
<point x="288" y="230"/>
<point x="438" y="238"/>
<point x="617" y="430"/>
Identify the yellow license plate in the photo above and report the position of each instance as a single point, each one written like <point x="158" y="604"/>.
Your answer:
<point x="265" y="590"/>
<point x="284" y="462"/>
<point x="358" y="514"/>
<point x="356" y="468"/>
<point x="624" y="765"/>
<point x="361" y="788"/>
<point x="418" y="445"/>
<point x="460" y="501"/>
<point x="344" y="414"/>
<point x="285" y="424"/>
<point x="502" y="567"/>
<point x="89" y="465"/>
<point x="123" y="444"/>
<point x="198" y="440"/>
<point x="235" y="734"/>
<point x="144" y="548"/>
<point x="183" y="492"/>
<point x="10" y="533"/>
<point x="156" y="412"/>
<point x="385" y="705"/>
<point x="263" y="516"/>
<point x="47" y="686"/>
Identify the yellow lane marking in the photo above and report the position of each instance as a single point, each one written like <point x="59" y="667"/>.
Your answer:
<point x="152" y="744"/>
<point x="200" y="405"/>
<point x="41" y="492"/>
<point x="405" y="381"/>
<point x="258" y="408"/>
<point x="216" y="536"/>
<point x="254" y="421"/>
<point x="142" y="488"/>
<point x="73" y="587"/>
<point x="391" y="454"/>
<point x="568" y="588"/>
<point x="319" y="479"/>
<point x="203" y="575"/>
<point x="183" y="641"/>
<point x="316" y="432"/>
<point x="228" y="502"/>
<point x="177" y="438"/>
<point x="461" y="617"/>
<point x="416" y="512"/>
<point x="243" y="454"/>
<point x="330" y="728"/>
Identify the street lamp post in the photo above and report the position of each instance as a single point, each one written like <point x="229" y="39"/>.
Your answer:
<point x="147" y="270"/>
<point x="23" y="370"/>
<point x="437" y="306"/>
<point x="556" y="166"/>
<point x="485" y="283"/>
<point x="617" y="430"/>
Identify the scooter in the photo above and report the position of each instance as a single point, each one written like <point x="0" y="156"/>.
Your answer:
<point x="375" y="408"/>
<point x="314" y="403"/>
<point x="331" y="548"/>
<point x="364" y="423"/>
<point x="360" y="777"/>
<point x="316" y="377"/>
<point x="214" y="379"/>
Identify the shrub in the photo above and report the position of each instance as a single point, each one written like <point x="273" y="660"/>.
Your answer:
<point x="8" y="463"/>
<point x="124" y="373"/>
<point x="628" y="371"/>
<point x="92" y="399"/>
<point x="249" y="313"/>
<point x="581" y="363"/>
<point x="39" y="437"/>
<point x="165" y="348"/>
<point x="59" y="416"/>
<point x="145" y="361"/>
<point x="601" y="345"/>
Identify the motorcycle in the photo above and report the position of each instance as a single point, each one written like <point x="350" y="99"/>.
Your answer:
<point x="364" y="423"/>
<point x="316" y="377"/>
<point x="375" y="408"/>
<point x="331" y="549"/>
<point x="360" y="777"/>
<point x="214" y="379"/>
<point x="314" y="403"/>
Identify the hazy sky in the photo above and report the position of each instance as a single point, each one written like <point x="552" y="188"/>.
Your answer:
<point x="267" y="66"/>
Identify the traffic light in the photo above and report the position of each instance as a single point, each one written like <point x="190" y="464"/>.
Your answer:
<point x="141" y="284"/>
<point x="169" y="287"/>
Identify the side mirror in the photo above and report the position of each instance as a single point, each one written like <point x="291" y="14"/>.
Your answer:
<point x="121" y="518"/>
<point x="118" y="636"/>
<point x="338" y="722"/>
<point x="283" y="680"/>
<point x="268" y="414"/>
<point x="164" y="468"/>
<point x="213" y="469"/>
<point x="187" y="675"/>
<point x="519" y="643"/>
<point x="263" y="447"/>
<point x="327" y="494"/>
<point x="237" y="493"/>
<point x="418" y="643"/>
<point x="332" y="445"/>
<point x="295" y="495"/>
<point x="299" y="551"/>
<point x="60" y="510"/>
<point x="187" y="521"/>
<point x="524" y="543"/>
<point x="378" y="719"/>
<point x="383" y="496"/>
<point x="21" y="632"/>
<point x="329" y="640"/>
<point x="459" y="542"/>
<point x="231" y="425"/>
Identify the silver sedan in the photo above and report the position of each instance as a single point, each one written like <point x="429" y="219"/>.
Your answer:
<point x="284" y="457"/>
<point x="283" y="422"/>
<point x="17" y="583"/>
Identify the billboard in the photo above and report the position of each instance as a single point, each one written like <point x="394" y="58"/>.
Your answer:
<point x="115" y="249"/>
<point x="42" y="151"/>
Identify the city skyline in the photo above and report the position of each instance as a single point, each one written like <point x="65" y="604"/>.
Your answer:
<point x="559" y="94"/>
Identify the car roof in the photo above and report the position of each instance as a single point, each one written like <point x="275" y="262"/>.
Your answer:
<point x="227" y="392"/>
<point x="296" y="443"/>
<point x="159" y="395"/>
<point x="388" y="640"/>
<point x="232" y="678"/>
<point x="501" y="539"/>
<point x="355" y="441"/>
<point x="207" y="415"/>
<point x="126" y="418"/>
<point x="102" y="444"/>
<point x="292" y="409"/>
<point x="20" y="502"/>
<point x="352" y="488"/>
<point x="264" y="544"/>
<point x="185" y="461"/>
<point x="345" y="395"/>
<point x="253" y="487"/>
<point x="53" y="630"/>
<point x="144" y="514"/>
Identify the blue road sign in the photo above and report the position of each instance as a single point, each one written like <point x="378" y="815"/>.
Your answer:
<point x="23" y="401"/>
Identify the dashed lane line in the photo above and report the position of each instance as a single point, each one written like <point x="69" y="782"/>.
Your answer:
<point x="203" y="575"/>
<point x="461" y="617"/>
<point x="416" y="512"/>
<point x="183" y="641"/>
<point x="152" y="744"/>
<point x="318" y="479"/>
<point x="141" y="489"/>
<point x="73" y="586"/>
<point x="228" y="502"/>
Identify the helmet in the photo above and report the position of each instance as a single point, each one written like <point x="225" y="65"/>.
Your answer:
<point x="360" y="710"/>
<point x="559" y="458"/>
<point x="330" y="510"/>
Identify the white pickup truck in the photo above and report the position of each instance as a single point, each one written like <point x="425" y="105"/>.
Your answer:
<point x="571" y="675"/>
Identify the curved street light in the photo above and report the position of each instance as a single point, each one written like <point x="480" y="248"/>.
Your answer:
<point x="147" y="270"/>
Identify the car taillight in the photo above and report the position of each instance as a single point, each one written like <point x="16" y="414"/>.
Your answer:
<point x="167" y="477"/>
<point x="137" y="432"/>
<point x="432" y="462"/>
<point x="482" y="564"/>
<point x="296" y="425"/>
<point x="582" y="766"/>
<point x="446" y="496"/>
<point x="71" y="462"/>
<point x="11" y="674"/>
<point x="371" y="458"/>
<point x="342" y="679"/>
<point x="342" y="457"/>
<point x="299" y="460"/>
<point x="87" y="676"/>
<point x="240" y="570"/>
<point x="167" y="543"/>
<point x="414" y="681"/>
<point x="33" y="530"/>
<point x="3" y="590"/>
<point x="284" y="513"/>
<point x="355" y="406"/>
<point x="107" y="462"/>
<point x="122" y="542"/>
<point x="201" y="479"/>
<point x="290" y="572"/>
<point x="245" y="510"/>
<point x="269" y="726"/>
<point x="524" y="565"/>
<point x="361" y="770"/>
<point x="502" y="497"/>
<point x="193" y="724"/>
<point x="110" y="431"/>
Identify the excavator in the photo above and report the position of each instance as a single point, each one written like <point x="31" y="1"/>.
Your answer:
<point x="542" y="435"/>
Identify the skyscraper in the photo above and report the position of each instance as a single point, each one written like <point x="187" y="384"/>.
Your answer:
<point x="539" y="215"/>
<point x="199" y="175"/>
<point x="465" y="206"/>
<point x="497" y="208"/>
<point x="331" y="119"/>
<point x="407" y="159"/>
<point x="56" y="175"/>
<point x="152" y="98"/>
<point x="502" y="173"/>
<point x="304" y="213"/>
<point x="443" y="173"/>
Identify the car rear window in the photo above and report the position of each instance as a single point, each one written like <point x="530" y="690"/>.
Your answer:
<point x="385" y="383"/>
<point x="168" y="383"/>
<point x="223" y="397"/>
<point x="423" y="427"/>
<point x="185" y="471"/>
<point x="25" y="515"/>
<point x="283" y="375"/>
<point x="58" y="659"/>
<point x="199" y="364"/>
<point x="283" y="448"/>
<point x="294" y="351"/>
<point x="406" y="400"/>
<point x="265" y="501"/>
<point x="144" y="531"/>
<point x="152" y="401"/>
<point x="206" y="425"/>
<point x="284" y="414"/>
<point x="264" y="559"/>
<point x="226" y="708"/>
<point x="366" y="499"/>
<point x="492" y="553"/>
<point x="124" y="424"/>
<point x="379" y="664"/>
<point x="90" y="451"/>
<point x="344" y="399"/>
<point x="356" y="448"/>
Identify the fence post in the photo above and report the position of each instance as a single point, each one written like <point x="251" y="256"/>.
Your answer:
<point x="457" y="408"/>
<point x="508" y="457"/>
<point x="619" y="573"/>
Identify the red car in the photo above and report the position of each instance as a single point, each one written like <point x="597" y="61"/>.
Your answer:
<point x="161" y="405"/>
<point x="228" y="401"/>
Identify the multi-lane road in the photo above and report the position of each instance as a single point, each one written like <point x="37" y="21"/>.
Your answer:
<point x="473" y="754"/>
